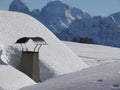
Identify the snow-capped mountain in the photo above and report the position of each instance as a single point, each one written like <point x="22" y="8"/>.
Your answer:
<point x="73" y="24"/>
<point x="116" y="16"/>
<point x="56" y="15"/>
<point x="98" y="30"/>
<point x="78" y="13"/>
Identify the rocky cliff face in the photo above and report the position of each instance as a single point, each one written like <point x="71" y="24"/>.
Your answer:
<point x="19" y="6"/>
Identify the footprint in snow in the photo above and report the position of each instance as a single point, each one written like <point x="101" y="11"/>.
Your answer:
<point x="116" y="87"/>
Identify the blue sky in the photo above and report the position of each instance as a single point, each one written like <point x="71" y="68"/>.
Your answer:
<point x="93" y="7"/>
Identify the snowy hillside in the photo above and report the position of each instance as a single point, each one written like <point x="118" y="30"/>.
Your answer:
<point x="55" y="58"/>
<point x="95" y="55"/>
<point x="103" y="77"/>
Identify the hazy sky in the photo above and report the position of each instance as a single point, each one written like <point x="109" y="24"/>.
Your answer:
<point x="93" y="7"/>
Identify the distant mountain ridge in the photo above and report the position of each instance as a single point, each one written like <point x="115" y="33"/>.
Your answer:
<point x="55" y="15"/>
<point x="73" y="24"/>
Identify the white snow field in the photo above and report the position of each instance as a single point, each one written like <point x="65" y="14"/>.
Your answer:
<point x="95" y="55"/>
<point x="55" y="58"/>
<point x="102" y="77"/>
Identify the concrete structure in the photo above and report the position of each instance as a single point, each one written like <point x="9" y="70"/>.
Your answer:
<point x="30" y="65"/>
<point x="30" y="59"/>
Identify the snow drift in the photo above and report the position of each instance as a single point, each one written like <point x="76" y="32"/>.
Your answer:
<point x="55" y="58"/>
<point x="12" y="79"/>
<point x="102" y="77"/>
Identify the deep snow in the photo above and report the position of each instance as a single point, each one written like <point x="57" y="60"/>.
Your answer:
<point x="102" y="77"/>
<point x="95" y="55"/>
<point x="12" y="79"/>
<point x="55" y="58"/>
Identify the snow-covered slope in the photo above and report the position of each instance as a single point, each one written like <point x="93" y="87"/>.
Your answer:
<point x="95" y="55"/>
<point x="103" y="77"/>
<point x="79" y="13"/>
<point x="12" y="79"/>
<point x="116" y="16"/>
<point x="55" y="58"/>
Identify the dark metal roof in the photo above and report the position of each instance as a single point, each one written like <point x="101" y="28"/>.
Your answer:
<point x="22" y="40"/>
<point x="36" y="40"/>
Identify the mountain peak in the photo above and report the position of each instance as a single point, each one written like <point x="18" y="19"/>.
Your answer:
<point x="19" y="6"/>
<point x="56" y="3"/>
<point x="56" y="16"/>
<point x="79" y="13"/>
<point x="116" y="17"/>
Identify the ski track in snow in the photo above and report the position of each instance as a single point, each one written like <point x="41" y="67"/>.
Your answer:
<point x="95" y="55"/>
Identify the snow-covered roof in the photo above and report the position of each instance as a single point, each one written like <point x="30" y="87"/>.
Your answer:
<point x="55" y="58"/>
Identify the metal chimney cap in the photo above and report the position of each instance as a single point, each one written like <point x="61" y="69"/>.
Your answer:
<point x="22" y="40"/>
<point x="36" y="40"/>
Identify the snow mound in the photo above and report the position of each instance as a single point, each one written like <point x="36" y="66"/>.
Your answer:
<point x="55" y="58"/>
<point x="12" y="79"/>
<point x="103" y="77"/>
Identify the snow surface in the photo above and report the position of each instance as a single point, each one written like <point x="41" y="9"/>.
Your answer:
<point x="12" y="79"/>
<point x="102" y="77"/>
<point x="105" y="76"/>
<point x="95" y="55"/>
<point x="55" y="58"/>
